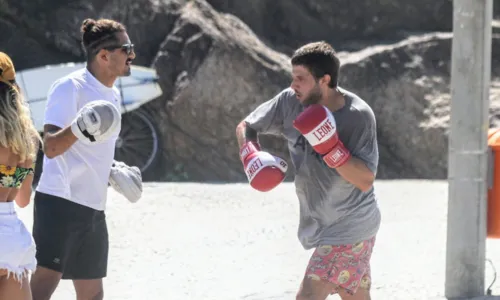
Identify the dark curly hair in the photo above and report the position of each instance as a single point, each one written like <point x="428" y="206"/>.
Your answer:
<point x="98" y="34"/>
<point x="320" y="59"/>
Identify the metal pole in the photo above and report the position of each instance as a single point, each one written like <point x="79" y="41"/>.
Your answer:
<point x="467" y="152"/>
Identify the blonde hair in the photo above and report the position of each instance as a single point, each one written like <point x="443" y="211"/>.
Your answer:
<point x="17" y="131"/>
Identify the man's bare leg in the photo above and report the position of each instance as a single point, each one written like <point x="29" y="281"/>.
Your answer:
<point x="44" y="282"/>
<point x="313" y="289"/>
<point x="91" y="289"/>
<point x="361" y="294"/>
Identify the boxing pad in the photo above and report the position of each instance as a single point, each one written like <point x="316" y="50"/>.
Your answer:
<point x="317" y="124"/>
<point x="126" y="180"/>
<point x="264" y="171"/>
<point x="96" y="122"/>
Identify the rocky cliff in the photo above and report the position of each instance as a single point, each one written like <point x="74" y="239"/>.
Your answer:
<point x="219" y="59"/>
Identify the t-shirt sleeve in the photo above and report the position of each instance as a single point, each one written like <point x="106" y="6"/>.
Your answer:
<point x="268" y="117"/>
<point x="366" y="146"/>
<point x="61" y="106"/>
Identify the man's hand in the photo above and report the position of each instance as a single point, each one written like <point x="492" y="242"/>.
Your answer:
<point x="264" y="171"/>
<point x="126" y="180"/>
<point x="96" y="122"/>
<point x="318" y="126"/>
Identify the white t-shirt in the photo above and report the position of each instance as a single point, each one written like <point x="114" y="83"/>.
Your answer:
<point x="81" y="173"/>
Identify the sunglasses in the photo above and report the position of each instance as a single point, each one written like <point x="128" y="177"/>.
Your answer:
<point x="127" y="48"/>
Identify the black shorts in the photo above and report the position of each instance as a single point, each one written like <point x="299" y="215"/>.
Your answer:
<point x="70" y="238"/>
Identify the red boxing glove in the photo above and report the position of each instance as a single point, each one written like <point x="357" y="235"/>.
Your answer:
<point x="264" y="171"/>
<point x="317" y="125"/>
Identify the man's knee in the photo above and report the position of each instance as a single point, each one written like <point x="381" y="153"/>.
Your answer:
<point x="89" y="289"/>
<point x="313" y="289"/>
<point x="302" y="296"/>
<point x="359" y="294"/>
<point x="309" y="296"/>
<point x="99" y="295"/>
<point x="91" y="295"/>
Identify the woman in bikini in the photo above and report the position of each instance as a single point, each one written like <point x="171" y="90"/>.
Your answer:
<point x="19" y="142"/>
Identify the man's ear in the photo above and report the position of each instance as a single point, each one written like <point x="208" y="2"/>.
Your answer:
<point x="326" y="79"/>
<point x="102" y="55"/>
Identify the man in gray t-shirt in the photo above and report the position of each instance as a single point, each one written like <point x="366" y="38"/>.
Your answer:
<point x="339" y="214"/>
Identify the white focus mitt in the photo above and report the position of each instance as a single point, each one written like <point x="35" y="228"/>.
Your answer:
<point x="126" y="180"/>
<point x="96" y="122"/>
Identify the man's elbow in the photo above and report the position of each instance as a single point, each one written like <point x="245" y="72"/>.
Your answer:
<point x="48" y="149"/>
<point x="367" y="184"/>
<point x="365" y="187"/>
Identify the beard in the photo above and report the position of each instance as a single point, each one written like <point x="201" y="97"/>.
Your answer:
<point x="126" y="72"/>
<point x="314" y="96"/>
<point x="120" y="69"/>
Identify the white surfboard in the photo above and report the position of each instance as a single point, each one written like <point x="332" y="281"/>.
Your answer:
<point x="137" y="89"/>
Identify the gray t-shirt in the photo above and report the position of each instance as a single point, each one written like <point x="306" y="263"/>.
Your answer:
<point x="332" y="210"/>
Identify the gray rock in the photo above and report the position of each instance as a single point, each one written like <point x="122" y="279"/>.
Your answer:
<point x="213" y="71"/>
<point x="407" y="85"/>
<point x="216" y="79"/>
<point x="286" y="24"/>
<point x="36" y="33"/>
<point x="350" y="25"/>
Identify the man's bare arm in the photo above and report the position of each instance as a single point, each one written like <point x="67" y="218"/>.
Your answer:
<point x="57" y="140"/>
<point x="245" y="133"/>
<point x="356" y="172"/>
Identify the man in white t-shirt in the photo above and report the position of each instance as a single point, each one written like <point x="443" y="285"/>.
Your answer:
<point x="69" y="225"/>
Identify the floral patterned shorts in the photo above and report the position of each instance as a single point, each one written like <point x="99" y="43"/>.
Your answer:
<point x="346" y="266"/>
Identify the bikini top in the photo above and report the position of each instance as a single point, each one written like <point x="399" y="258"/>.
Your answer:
<point x="13" y="177"/>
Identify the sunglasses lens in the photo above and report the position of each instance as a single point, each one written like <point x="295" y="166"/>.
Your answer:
<point x="128" y="48"/>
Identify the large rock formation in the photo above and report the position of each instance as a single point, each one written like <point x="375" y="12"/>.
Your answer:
<point x="407" y="85"/>
<point x="348" y="25"/>
<point x="286" y="24"/>
<point x="214" y="69"/>
<point x="37" y="33"/>
<point x="216" y="79"/>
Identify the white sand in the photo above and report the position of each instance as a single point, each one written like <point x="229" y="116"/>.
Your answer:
<point x="183" y="241"/>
